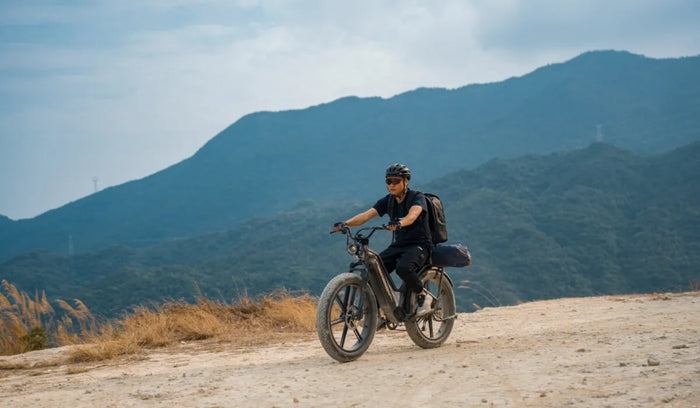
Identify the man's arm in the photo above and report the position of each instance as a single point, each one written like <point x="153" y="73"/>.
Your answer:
<point x="362" y="218"/>
<point x="412" y="215"/>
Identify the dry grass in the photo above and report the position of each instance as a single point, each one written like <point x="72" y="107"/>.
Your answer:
<point x="244" y="322"/>
<point x="21" y="313"/>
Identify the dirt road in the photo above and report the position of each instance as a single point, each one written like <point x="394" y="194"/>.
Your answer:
<point x="614" y="351"/>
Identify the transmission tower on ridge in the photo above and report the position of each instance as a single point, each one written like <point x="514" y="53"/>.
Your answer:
<point x="94" y="182"/>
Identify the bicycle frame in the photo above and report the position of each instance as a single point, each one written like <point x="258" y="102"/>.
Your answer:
<point x="393" y="302"/>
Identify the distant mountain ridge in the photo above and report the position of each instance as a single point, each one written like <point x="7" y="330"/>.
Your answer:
<point x="268" y="162"/>
<point x="598" y="220"/>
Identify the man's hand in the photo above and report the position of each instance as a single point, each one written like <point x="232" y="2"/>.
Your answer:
<point x="393" y="225"/>
<point x="338" y="226"/>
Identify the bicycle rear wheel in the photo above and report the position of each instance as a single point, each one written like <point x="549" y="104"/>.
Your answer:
<point x="432" y="330"/>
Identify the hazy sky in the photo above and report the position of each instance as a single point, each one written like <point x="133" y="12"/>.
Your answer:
<point x="119" y="89"/>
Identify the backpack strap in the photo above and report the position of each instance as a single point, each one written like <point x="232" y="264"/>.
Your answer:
<point x="410" y="196"/>
<point x="390" y="206"/>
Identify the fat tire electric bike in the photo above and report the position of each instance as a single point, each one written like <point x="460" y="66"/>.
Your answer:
<point x="355" y="303"/>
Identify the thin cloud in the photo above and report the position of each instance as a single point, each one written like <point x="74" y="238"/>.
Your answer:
<point x="122" y="89"/>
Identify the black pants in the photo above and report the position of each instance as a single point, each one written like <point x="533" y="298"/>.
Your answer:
<point x="407" y="260"/>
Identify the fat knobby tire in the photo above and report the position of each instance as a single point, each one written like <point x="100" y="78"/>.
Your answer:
<point x="430" y="333"/>
<point x="323" y="319"/>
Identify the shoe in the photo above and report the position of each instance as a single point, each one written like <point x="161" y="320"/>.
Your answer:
<point x="381" y="323"/>
<point x="424" y="303"/>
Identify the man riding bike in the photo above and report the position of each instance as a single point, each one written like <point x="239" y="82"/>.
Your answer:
<point x="411" y="245"/>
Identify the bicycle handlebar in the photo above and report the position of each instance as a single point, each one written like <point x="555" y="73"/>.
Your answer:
<point x="345" y="230"/>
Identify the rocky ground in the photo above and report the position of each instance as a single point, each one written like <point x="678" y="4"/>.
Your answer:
<point x="613" y="351"/>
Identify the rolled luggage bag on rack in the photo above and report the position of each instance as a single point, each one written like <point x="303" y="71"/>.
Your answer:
<point x="455" y="256"/>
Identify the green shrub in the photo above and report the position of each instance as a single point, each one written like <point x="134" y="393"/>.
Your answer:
<point x="36" y="339"/>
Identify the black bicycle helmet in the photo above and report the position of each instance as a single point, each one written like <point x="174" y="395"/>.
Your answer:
<point x="399" y="170"/>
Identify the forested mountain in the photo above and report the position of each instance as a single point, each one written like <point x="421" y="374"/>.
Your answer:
<point x="598" y="220"/>
<point x="268" y="162"/>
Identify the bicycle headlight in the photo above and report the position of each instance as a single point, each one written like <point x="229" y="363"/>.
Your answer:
<point x="352" y="249"/>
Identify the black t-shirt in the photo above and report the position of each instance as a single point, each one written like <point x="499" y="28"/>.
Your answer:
<point x="417" y="233"/>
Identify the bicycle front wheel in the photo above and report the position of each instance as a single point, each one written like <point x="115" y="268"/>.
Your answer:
<point x="346" y="318"/>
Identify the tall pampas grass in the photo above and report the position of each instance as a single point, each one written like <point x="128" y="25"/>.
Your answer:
<point x="29" y="322"/>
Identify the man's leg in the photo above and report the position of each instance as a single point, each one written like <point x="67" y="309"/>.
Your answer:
<point x="389" y="257"/>
<point x="409" y="264"/>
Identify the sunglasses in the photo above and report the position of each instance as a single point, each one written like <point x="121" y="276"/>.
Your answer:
<point x="393" y="181"/>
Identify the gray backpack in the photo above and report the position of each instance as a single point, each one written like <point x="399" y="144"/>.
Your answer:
<point x="436" y="215"/>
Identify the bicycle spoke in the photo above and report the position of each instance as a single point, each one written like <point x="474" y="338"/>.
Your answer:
<point x="430" y="327"/>
<point x="342" y="304"/>
<point x="343" y="336"/>
<point x="356" y="331"/>
<point x="340" y="319"/>
<point x="342" y="310"/>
